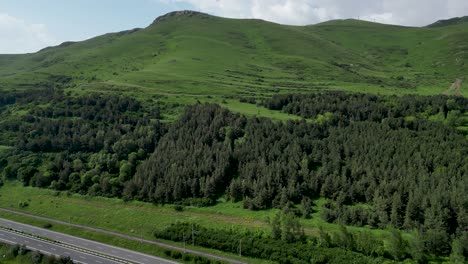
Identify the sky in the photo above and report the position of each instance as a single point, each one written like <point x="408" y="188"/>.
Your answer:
<point x="30" y="25"/>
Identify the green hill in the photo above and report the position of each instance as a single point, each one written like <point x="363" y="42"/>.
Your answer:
<point x="193" y="54"/>
<point x="450" y="22"/>
<point x="390" y="168"/>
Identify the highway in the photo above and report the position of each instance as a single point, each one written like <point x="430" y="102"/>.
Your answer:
<point x="86" y="251"/>
<point x="51" y="249"/>
<point x="115" y="234"/>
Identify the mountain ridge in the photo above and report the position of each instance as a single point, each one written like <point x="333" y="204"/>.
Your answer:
<point x="191" y="13"/>
<point x="449" y="22"/>
<point x="193" y="53"/>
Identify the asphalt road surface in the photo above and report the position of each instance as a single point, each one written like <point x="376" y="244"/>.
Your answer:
<point x="83" y="257"/>
<point x="51" y="249"/>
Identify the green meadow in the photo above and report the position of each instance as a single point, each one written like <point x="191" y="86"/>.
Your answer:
<point x="142" y="219"/>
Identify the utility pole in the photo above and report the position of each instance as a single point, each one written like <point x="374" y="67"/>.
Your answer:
<point x="185" y="249"/>
<point x="193" y="236"/>
<point x="240" y="247"/>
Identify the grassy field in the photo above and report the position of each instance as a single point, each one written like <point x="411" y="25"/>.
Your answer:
<point x="120" y="242"/>
<point x="142" y="219"/>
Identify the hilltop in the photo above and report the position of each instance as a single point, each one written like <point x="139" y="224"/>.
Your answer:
<point x="450" y="22"/>
<point x="193" y="54"/>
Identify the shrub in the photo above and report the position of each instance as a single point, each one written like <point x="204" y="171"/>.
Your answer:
<point x="178" y="208"/>
<point x="23" y="204"/>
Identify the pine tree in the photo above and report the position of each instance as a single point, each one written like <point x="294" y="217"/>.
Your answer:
<point x="397" y="245"/>
<point x="457" y="255"/>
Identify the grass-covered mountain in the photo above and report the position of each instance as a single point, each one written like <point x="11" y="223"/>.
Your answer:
<point x="391" y="168"/>
<point x="190" y="53"/>
<point x="450" y="22"/>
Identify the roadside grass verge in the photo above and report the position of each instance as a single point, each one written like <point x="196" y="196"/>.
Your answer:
<point x="124" y="221"/>
<point x="140" y="219"/>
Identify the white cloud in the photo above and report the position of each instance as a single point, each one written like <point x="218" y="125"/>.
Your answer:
<point x="19" y="36"/>
<point x="385" y="18"/>
<point x="301" y="12"/>
<point x="293" y="12"/>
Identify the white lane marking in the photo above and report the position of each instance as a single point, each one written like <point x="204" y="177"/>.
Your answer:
<point x="98" y="261"/>
<point x="53" y="249"/>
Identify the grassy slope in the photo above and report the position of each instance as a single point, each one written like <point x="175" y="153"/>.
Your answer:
<point x="134" y="218"/>
<point x="449" y="22"/>
<point x="183" y="59"/>
<point x="435" y="56"/>
<point x="142" y="219"/>
<point x="204" y="55"/>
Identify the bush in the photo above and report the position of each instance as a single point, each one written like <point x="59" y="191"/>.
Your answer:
<point x="258" y="245"/>
<point x="178" y="208"/>
<point x="199" y="202"/>
<point x="36" y="257"/>
<point x="14" y="249"/>
<point x="23" y="204"/>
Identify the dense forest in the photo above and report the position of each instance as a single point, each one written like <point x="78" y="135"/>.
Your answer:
<point x="379" y="160"/>
<point x="88" y="144"/>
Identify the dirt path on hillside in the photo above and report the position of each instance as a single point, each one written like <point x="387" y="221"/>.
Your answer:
<point x="455" y="87"/>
